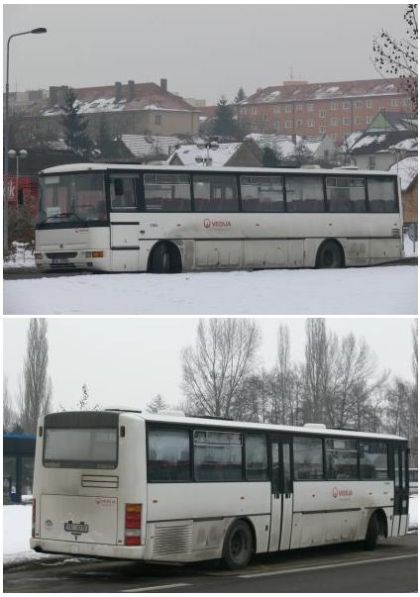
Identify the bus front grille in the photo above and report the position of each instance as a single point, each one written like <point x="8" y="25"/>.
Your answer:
<point x="69" y="255"/>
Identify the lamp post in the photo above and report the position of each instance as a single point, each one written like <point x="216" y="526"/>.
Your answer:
<point x="17" y="155"/>
<point x="209" y="144"/>
<point x="6" y="137"/>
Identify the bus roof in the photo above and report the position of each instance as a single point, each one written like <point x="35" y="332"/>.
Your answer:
<point x="95" y="167"/>
<point x="215" y="422"/>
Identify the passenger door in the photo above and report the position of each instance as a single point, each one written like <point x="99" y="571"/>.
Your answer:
<point x="281" y="493"/>
<point x="399" y="456"/>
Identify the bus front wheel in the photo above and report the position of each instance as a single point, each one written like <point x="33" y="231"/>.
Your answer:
<point x="330" y="255"/>
<point x="165" y="259"/>
<point x="372" y="533"/>
<point x="238" y="546"/>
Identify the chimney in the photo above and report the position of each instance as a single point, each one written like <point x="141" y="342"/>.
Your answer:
<point x="118" y="91"/>
<point x="164" y="85"/>
<point x="131" y="91"/>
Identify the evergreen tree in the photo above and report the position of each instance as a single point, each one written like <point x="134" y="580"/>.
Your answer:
<point x="36" y="394"/>
<point x="270" y="158"/>
<point x="106" y="144"/>
<point x="84" y="398"/>
<point x="74" y="127"/>
<point x="224" y="124"/>
<point x="240" y="95"/>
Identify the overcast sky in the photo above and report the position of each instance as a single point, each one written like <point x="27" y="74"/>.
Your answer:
<point x="204" y="51"/>
<point x="127" y="361"/>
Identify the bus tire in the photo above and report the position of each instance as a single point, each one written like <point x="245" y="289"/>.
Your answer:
<point x="238" y="546"/>
<point x="165" y="259"/>
<point x="372" y="532"/>
<point x="330" y="255"/>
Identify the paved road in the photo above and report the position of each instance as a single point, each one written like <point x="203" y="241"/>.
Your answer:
<point x="23" y="273"/>
<point x="392" y="567"/>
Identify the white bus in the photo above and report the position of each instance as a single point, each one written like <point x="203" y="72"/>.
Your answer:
<point x="123" y="218"/>
<point x="122" y="484"/>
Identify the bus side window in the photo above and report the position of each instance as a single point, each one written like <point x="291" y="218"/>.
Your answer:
<point x="123" y="191"/>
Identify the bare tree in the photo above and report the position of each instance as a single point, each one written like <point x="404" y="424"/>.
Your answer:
<point x="398" y="57"/>
<point x="37" y="388"/>
<point x="9" y="415"/>
<point x="215" y="369"/>
<point x="316" y="370"/>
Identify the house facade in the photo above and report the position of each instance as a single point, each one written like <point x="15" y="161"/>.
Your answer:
<point x="134" y="108"/>
<point x="335" y="109"/>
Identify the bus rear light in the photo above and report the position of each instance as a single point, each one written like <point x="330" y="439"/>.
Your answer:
<point x="33" y="516"/>
<point x="132" y="524"/>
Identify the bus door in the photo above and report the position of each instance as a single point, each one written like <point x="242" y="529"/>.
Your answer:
<point x="399" y="456"/>
<point x="281" y="493"/>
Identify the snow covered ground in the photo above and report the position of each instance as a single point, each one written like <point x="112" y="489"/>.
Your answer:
<point x="17" y="530"/>
<point x="374" y="290"/>
<point x="22" y="256"/>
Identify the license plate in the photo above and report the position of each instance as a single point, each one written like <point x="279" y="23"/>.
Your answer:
<point x="73" y="527"/>
<point x="58" y="260"/>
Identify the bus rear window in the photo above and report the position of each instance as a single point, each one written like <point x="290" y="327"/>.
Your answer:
<point x="80" y="448"/>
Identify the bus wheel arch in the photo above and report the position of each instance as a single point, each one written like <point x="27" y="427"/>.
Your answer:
<point x="330" y="255"/>
<point x="377" y="525"/>
<point x="165" y="258"/>
<point x="239" y="544"/>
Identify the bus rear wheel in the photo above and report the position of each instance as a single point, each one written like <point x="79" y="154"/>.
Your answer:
<point x="329" y="255"/>
<point x="165" y="259"/>
<point x="238" y="546"/>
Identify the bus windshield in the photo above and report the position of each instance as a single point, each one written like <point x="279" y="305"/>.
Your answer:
<point x="80" y="448"/>
<point x="73" y="199"/>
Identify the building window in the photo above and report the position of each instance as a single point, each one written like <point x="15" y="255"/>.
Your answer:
<point x="158" y="119"/>
<point x="372" y="162"/>
<point x="299" y="123"/>
<point x="346" y="121"/>
<point x="307" y="453"/>
<point x="244" y="110"/>
<point x="358" y="104"/>
<point x="369" y="104"/>
<point x="288" y="124"/>
<point x="334" y="106"/>
<point x="277" y="125"/>
<point x="369" y="119"/>
<point x="265" y="117"/>
<point x="288" y="108"/>
<point x="309" y="107"/>
<point x="346" y="105"/>
<point x="299" y="107"/>
<point x="253" y="110"/>
<point x="322" y="114"/>
<point x="310" y="123"/>
<point x="277" y="109"/>
<point x="217" y="455"/>
<point x="358" y="120"/>
<point x="395" y="103"/>
<point x="334" y="121"/>
<point x="322" y="130"/>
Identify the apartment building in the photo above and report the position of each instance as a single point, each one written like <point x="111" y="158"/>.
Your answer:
<point x="307" y="109"/>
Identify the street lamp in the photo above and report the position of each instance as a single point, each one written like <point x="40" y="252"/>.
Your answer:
<point x="6" y="137"/>
<point x="209" y="144"/>
<point x="17" y="155"/>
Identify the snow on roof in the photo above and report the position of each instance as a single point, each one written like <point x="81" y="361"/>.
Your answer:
<point x="219" y="156"/>
<point x="143" y="146"/>
<point x="368" y="140"/>
<point x="284" y="144"/>
<point x="407" y="170"/>
<point x="406" y="145"/>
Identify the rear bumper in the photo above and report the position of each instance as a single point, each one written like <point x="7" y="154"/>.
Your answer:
<point x="88" y="549"/>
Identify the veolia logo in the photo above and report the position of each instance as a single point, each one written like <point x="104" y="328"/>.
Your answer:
<point x="341" y="492"/>
<point x="335" y="492"/>
<point x="207" y="223"/>
<point x="216" y="223"/>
